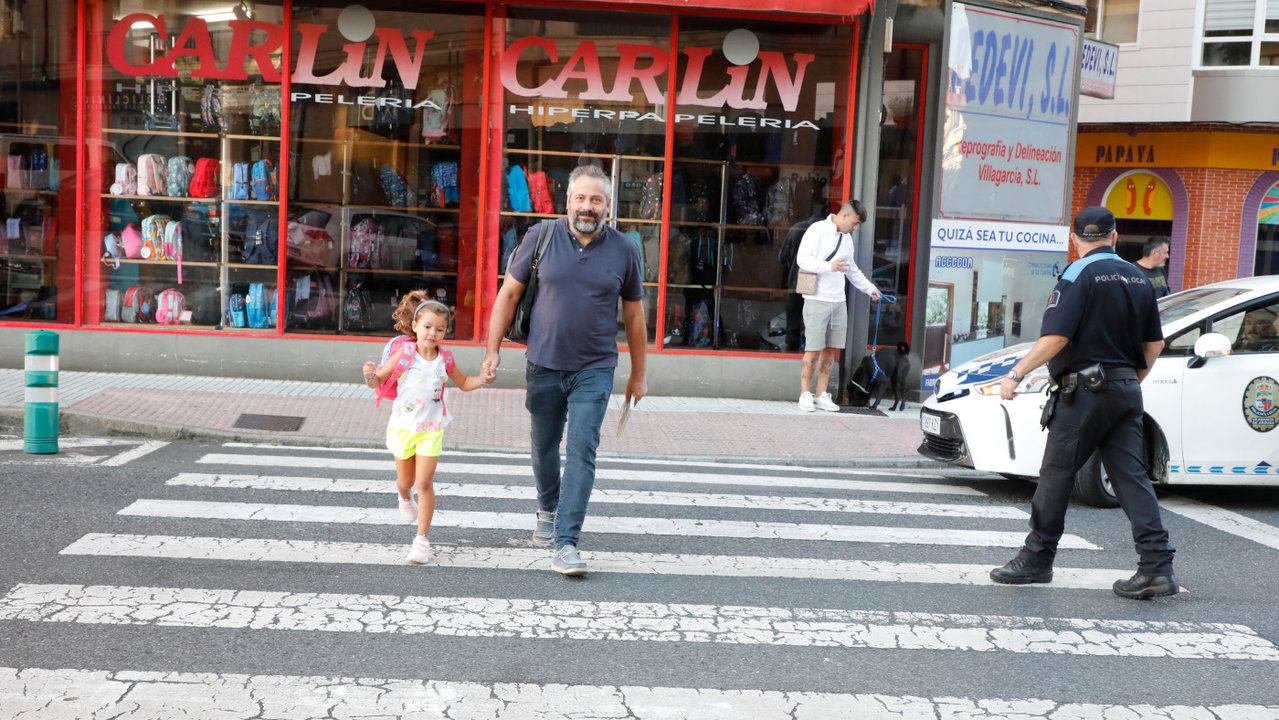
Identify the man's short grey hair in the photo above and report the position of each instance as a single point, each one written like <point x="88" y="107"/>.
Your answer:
<point x="594" y="171"/>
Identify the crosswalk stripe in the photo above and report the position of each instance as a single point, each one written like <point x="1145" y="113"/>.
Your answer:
<point x="628" y="621"/>
<point x="647" y="497"/>
<point x="134" y="694"/>
<point x="1223" y="520"/>
<point x="145" y="448"/>
<point x="450" y="468"/>
<point x="596" y="524"/>
<point x="523" y="558"/>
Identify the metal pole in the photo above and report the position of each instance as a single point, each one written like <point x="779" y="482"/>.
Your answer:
<point x="40" y="428"/>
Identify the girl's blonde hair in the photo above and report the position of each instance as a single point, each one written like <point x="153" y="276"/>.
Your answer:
<point x="408" y="308"/>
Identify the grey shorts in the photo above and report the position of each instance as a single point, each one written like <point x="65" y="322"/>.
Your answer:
<point x="825" y="325"/>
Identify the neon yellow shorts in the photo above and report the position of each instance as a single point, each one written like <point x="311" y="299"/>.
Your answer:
<point x="405" y="444"/>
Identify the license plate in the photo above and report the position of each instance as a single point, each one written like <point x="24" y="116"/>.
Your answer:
<point x="930" y="424"/>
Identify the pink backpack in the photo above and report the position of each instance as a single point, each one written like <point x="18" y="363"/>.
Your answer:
<point x="153" y="174"/>
<point x="126" y="179"/>
<point x="391" y="388"/>
<point x="131" y="236"/>
<point x="169" y="305"/>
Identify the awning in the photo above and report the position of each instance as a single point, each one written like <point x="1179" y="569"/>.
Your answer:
<point x="825" y="8"/>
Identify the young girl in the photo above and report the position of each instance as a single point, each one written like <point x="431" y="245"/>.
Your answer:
<point x="415" y="431"/>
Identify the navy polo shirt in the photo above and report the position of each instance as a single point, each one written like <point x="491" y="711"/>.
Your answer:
<point x="574" y="322"/>
<point x="1104" y="305"/>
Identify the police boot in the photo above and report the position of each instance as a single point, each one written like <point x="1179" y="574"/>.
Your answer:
<point x="1024" y="569"/>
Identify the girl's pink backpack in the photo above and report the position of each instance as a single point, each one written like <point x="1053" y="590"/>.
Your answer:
<point x="391" y="388"/>
<point x="169" y="306"/>
<point x="131" y="236"/>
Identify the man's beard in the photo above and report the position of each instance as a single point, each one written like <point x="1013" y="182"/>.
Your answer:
<point x="587" y="226"/>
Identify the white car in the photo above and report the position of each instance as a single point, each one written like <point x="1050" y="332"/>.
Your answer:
<point x="1211" y="399"/>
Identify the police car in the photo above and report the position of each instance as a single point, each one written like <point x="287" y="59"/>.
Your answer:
<point x="1211" y="399"/>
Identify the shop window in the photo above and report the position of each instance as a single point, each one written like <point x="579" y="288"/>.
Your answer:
<point x="1267" y="259"/>
<point x="37" y="180"/>
<point x="1113" y="21"/>
<point x="1240" y="33"/>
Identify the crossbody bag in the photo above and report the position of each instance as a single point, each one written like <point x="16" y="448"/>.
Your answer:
<point x="805" y="281"/>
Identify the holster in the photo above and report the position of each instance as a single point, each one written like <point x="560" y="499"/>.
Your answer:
<point x="1050" y="406"/>
<point x="1093" y="378"/>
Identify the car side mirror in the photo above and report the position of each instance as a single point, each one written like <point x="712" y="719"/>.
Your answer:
<point x="1207" y="346"/>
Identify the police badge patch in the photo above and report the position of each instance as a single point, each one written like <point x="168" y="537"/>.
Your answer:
<point x="1261" y="403"/>
<point x="1053" y="298"/>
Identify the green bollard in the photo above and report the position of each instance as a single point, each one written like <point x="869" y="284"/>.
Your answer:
<point x="40" y="430"/>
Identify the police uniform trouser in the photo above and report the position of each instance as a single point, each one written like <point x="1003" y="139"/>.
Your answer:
<point x="1109" y="420"/>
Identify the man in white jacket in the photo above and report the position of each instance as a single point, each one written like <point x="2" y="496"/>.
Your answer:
<point x="827" y="249"/>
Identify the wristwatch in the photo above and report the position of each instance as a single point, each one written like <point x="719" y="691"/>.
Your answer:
<point x="1012" y="375"/>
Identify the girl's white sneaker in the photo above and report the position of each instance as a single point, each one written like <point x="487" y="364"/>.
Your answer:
<point x="408" y="510"/>
<point x="421" y="550"/>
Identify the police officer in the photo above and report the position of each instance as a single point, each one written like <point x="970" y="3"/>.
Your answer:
<point x="1100" y="336"/>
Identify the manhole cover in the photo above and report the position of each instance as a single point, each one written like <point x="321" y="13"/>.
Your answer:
<point x="278" y="423"/>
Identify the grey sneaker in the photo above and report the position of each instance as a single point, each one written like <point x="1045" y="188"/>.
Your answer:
<point x="544" y="532"/>
<point x="568" y="562"/>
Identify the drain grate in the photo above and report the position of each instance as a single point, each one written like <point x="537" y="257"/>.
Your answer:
<point x="278" y="423"/>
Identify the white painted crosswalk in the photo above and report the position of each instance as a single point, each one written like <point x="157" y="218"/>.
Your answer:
<point x="249" y="508"/>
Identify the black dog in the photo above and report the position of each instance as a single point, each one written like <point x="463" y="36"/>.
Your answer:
<point x="868" y="384"/>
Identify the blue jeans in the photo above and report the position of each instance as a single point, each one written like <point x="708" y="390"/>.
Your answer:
<point x="580" y="398"/>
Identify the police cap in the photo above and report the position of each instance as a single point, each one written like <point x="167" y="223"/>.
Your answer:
<point x="1094" y="222"/>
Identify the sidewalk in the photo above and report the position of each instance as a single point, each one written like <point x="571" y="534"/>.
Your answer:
<point x="213" y="409"/>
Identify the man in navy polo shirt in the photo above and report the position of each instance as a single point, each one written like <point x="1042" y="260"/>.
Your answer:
<point x="572" y="351"/>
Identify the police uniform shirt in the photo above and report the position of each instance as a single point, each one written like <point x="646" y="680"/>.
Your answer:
<point x="1105" y="307"/>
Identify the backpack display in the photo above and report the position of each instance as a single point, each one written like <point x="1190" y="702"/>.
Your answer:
<point x="169" y="306"/>
<point x="357" y="310"/>
<point x="261" y="239"/>
<point x="240" y="181"/>
<point x="126" y="179"/>
<point x="437" y="114"/>
<point x="131" y="238"/>
<point x="540" y="192"/>
<point x="172" y="247"/>
<point x="746" y="200"/>
<point x="153" y="232"/>
<point x="15" y="171"/>
<point x="236" y="315"/>
<point x="394" y="186"/>
<point x="517" y="186"/>
<point x="651" y="198"/>
<point x="205" y="178"/>
<point x="262" y="180"/>
<point x="204" y="304"/>
<point x="405" y="344"/>
<point x="308" y="245"/>
<point x="257" y="305"/>
<point x="211" y="108"/>
<point x="152" y="174"/>
<point x="264" y="113"/>
<point x="699" y="324"/>
<point x="366" y="244"/>
<point x="315" y="305"/>
<point x="137" y="305"/>
<point x="37" y="167"/>
<point x="444" y="191"/>
<point x="111" y="308"/>
<point x="780" y="210"/>
<point x="178" y="176"/>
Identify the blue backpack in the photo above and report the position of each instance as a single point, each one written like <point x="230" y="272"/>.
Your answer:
<point x="258" y="306"/>
<point x="263" y="180"/>
<point x="395" y="187"/>
<point x="517" y="187"/>
<point x="235" y="311"/>
<point x="261" y="239"/>
<point x="240" y="181"/>
<point x="746" y="200"/>
<point x="699" y="324"/>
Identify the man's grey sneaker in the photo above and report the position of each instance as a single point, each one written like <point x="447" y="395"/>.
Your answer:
<point x="825" y="403"/>
<point x="568" y="562"/>
<point x="544" y="532"/>
<point x="408" y="509"/>
<point x="1144" y="587"/>
<point x="806" y="402"/>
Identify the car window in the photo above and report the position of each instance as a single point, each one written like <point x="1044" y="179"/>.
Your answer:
<point x="1179" y="305"/>
<point x="1183" y="343"/>
<point x="1258" y="329"/>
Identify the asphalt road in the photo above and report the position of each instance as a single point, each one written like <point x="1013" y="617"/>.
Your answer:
<point x="147" y="580"/>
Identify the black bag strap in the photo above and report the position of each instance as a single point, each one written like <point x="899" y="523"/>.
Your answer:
<point x="543" y="239"/>
<point x="839" y="241"/>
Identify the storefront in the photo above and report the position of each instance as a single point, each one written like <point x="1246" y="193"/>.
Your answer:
<point x="224" y="176"/>
<point x="1213" y="190"/>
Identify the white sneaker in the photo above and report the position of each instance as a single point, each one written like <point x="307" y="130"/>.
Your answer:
<point x="825" y="403"/>
<point x="806" y="402"/>
<point x="408" y="511"/>
<point x="421" y="550"/>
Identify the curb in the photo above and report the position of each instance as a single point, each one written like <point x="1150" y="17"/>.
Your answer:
<point x="74" y="423"/>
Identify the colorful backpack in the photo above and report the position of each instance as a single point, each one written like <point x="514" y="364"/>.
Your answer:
<point x="746" y="200"/>
<point x="366" y="241"/>
<point x="204" y="180"/>
<point x="137" y="305"/>
<point x="235" y="311"/>
<point x="211" y="107"/>
<point x="357" y="307"/>
<point x="152" y="174"/>
<point x="444" y="179"/>
<point x="178" y="176"/>
<point x="126" y="179"/>
<point x="517" y="186"/>
<point x="651" y="198"/>
<point x="540" y="192"/>
<point x="172" y="247"/>
<point x="437" y="115"/>
<point x="404" y="343"/>
<point x="395" y="188"/>
<point x="169" y="305"/>
<point x="263" y="180"/>
<point x="699" y="325"/>
<point x="258" y="306"/>
<point x="153" y="233"/>
<point x="240" y="181"/>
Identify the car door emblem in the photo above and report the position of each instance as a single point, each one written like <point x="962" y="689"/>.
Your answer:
<point x="1260" y="408"/>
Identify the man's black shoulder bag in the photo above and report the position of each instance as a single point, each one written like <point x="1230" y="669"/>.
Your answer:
<point x="518" y="331"/>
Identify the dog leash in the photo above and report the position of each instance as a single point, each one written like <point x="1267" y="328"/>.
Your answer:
<point x="875" y="342"/>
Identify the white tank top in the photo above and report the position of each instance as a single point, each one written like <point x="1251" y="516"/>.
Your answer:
<point x="419" y="403"/>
